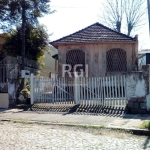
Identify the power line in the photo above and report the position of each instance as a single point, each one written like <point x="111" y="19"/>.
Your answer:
<point x="69" y="7"/>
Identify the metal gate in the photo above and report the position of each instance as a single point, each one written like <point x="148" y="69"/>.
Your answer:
<point x="109" y="91"/>
<point x="50" y="90"/>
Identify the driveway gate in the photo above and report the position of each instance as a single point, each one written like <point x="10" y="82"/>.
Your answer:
<point x="108" y="91"/>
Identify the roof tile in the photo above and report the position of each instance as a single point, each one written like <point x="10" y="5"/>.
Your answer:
<point x="94" y="33"/>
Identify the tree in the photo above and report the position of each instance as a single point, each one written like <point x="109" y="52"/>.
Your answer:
<point x="134" y="11"/>
<point x="11" y="11"/>
<point x="36" y="40"/>
<point x="113" y="14"/>
<point x="4" y="20"/>
<point x="129" y="12"/>
<point x="20" y="12"/>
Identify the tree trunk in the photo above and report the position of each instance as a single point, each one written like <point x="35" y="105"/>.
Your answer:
<point x="118" y="24"/>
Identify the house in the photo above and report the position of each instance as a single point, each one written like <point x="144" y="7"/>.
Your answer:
<point x="103" y="50"/>
<point x="143" y="58"/>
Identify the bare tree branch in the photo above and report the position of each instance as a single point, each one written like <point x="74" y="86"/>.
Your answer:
<point x="134" y="11"/>
<point x="113" y="7"/>
<point x="124" y="12"/>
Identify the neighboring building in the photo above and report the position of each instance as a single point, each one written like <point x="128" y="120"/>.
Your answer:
<point x="2" y="41"/>
<point x="49" y="70"/>
<point x="104" y="50"/>
<point x="51" y="65"/>
<point x="10" y="67"/>
<point x="143" y="58"/>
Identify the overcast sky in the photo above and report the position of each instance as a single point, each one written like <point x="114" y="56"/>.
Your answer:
<point x="73" y="15"/>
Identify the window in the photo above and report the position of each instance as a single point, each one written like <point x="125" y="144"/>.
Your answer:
<point x="74" y="57"/>
<point x="116" y="60"/>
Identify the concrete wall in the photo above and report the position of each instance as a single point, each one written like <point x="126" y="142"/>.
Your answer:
<point x="95" y="56"/>
<point x="12" y="92"/>
<point x="135" y="85"/>
<point x="4" y="100"/>
<point x="138" y="90"/>
<point x="146" y="70"/>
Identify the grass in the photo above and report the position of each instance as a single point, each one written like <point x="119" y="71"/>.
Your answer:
<point x="145" y="125"/>
<point x="67" y="124"/>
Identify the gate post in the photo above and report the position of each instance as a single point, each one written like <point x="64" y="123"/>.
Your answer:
<point x="76" y="89"/>
<point x="32" y="89"/>
<point x="148" y="95"/>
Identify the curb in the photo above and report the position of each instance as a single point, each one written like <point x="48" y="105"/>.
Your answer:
<point x="140" y="132"/>
<point x="133" y="131"/>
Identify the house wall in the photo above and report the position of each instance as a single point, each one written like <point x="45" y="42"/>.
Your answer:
<point x="95" y="56"/>
<point x="2" y="41"/>
<point x="50" y="66"/>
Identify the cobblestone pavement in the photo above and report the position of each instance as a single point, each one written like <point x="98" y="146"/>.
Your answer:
<point x="21" y="136"/>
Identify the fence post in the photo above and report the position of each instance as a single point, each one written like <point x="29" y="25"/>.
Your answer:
<point x="76" y="89"/>
<point x="148" y="95"/>
<point x="32" y="88"/>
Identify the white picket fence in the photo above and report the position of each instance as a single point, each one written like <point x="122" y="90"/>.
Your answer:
<point x="108" y="91"/>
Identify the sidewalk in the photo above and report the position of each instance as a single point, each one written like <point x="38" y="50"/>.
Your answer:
<point x="127" y="122"/>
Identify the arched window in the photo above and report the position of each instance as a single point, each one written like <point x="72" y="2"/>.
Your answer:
<point x="116" y="60"/>
<point x="75" y="57"/>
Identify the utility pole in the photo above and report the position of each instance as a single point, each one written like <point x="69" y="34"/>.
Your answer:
<point x="23" y="34"/>
<point x="148" y="6"/>
<point x="22" y="84"/>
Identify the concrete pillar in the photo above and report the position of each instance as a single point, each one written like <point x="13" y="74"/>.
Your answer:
<point x="148" y="84"/>
<point x="76" y="89"/>
<point x="32" y="89"/>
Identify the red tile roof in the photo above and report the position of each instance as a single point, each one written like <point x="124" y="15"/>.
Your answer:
<point x="95" y="33"/>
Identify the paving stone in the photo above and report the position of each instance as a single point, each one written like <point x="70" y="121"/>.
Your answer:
<point x="38" y="137"/>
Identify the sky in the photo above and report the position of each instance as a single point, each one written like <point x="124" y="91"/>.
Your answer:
<point x="74" y="15"/>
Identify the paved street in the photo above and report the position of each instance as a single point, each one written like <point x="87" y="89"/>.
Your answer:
<point x="22" y="136"/>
